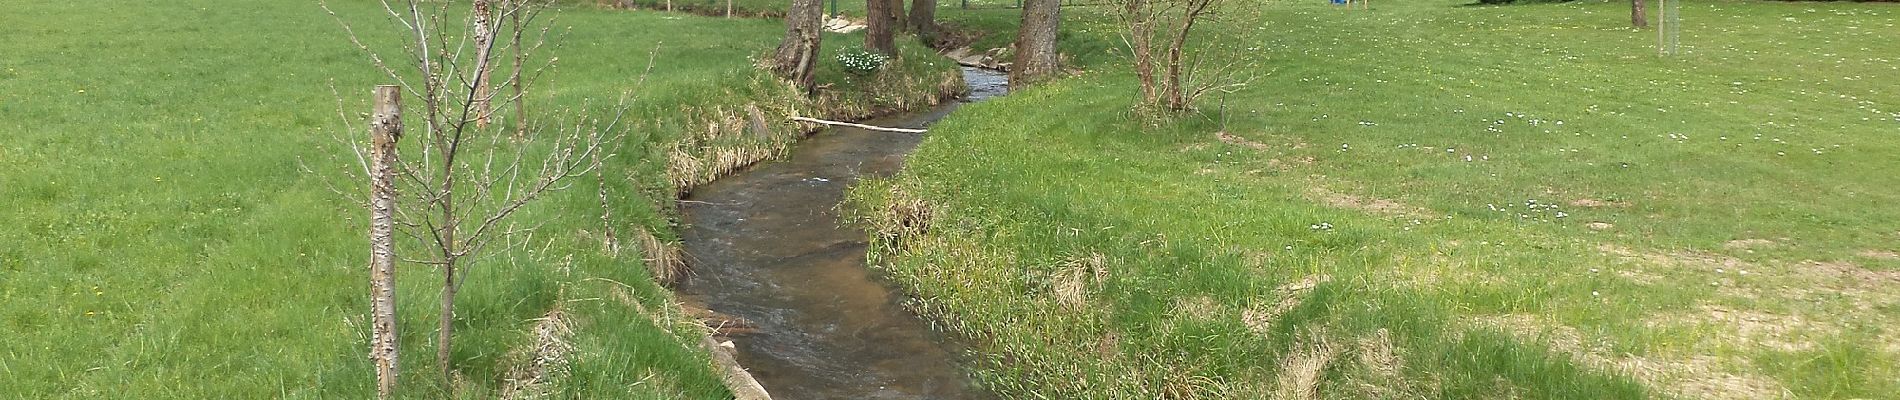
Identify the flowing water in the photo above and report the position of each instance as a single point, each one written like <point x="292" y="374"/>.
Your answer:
<point x="767" y="247"/>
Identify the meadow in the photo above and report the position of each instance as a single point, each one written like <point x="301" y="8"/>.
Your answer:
<point x="1429" y="200"/>
<point x="162" y="238"/>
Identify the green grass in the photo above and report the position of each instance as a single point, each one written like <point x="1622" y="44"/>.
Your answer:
<point x="1773" y="125"/>
<point x="160" y="240"/>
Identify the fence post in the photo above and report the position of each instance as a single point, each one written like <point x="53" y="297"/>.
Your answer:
<point x="385" y="128"/>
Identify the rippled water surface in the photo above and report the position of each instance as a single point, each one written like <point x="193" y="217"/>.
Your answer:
<point x="767" y="247"/>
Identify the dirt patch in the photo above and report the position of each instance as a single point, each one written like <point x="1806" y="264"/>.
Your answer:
<point x="1749" y="244"/>
<point x="1286" y="164"/>
<point x="1369" y="204"/>
<point x="1599" y="225"/>
<point x="1701" y="377"/>
<point x="1853" y="274"/>
<point x="1232" y="139"/>
<point x="1594" y="203"/>
<point x="1685" y="259"/>
<point x="1750" y="328"/>
<point x="1880" y="254"/>
<point x="1109" y="346"/>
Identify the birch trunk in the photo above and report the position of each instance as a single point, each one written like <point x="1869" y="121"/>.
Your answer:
<point x="484" y="42"/>
<point x="384" y="129"/>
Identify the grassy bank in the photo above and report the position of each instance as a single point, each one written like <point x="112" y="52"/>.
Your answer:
<point x="1430" y="200"/>
<point x="161" y="241"/>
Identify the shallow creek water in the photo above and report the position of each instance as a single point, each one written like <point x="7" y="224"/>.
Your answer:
<point x="767" y="247"/>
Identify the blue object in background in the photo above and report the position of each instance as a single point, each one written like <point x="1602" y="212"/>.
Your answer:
<point x="1338" y="2"/>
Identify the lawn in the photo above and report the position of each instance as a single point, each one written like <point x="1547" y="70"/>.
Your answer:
<point x="1432" y="200"/>
<point x="161" y="238"/>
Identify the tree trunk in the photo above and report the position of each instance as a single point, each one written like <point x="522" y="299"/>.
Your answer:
<point x="1173" y="90"/>
<point x="484" y="42"/>
<point x="521" y="102"/>
<point x="923" y="20"/>
<point x="878" y="17"/>
<point x="445" y="328"/>
<point x="1638" y="17"/>
<point x="898" y="22"/>
<point x="1141" y="32"/>
<point x="1036" y="43"/>
<point x="385" y="128"/>
<point x="797" y="53"/>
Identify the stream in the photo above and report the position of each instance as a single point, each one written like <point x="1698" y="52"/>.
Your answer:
<point x="767" y="247"/>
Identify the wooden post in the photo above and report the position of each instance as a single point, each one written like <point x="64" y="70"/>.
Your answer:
<point x="385" y="129"/>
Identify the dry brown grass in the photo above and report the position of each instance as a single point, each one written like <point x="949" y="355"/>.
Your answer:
<point x="1594" y="203"/>
<point x="665" y="259"/>
<point x="1228" y="138"/>
<point x="1201" y="308"/>
<point x="533" y="368"/>
<point x="1750" y="329"/>
<point x="1382" y="371"/>
<point x="903" y="215"/>
<point x="1301" y="371"/>
<point x="1377" y="355"/>
<point x="1260" y="317"/>
<point x="1077" y="277"/>
<point x="727" y="141"/>
<point x="1679" y="375"/>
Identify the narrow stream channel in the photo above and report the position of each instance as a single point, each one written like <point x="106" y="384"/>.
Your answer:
<point x="767" y="247"/>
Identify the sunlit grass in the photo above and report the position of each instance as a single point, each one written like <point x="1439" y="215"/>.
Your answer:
<point x="160" y="240"/>
<point x="1527" y="198"/>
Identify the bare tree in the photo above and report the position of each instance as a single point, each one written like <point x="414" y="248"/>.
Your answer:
<point x="797" y="55"/>
<point x="1141" y="17"/>
<point x="923" y="20"/>
<point x="1036" y="59"/>
<point x="468" y="180"/>
<point x="1170" y="76"/>
<point x="1638" y="16"/>
<point x="878" y="21"/>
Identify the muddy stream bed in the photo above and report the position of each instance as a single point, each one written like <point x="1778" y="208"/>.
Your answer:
<point x="809" y="319"/>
